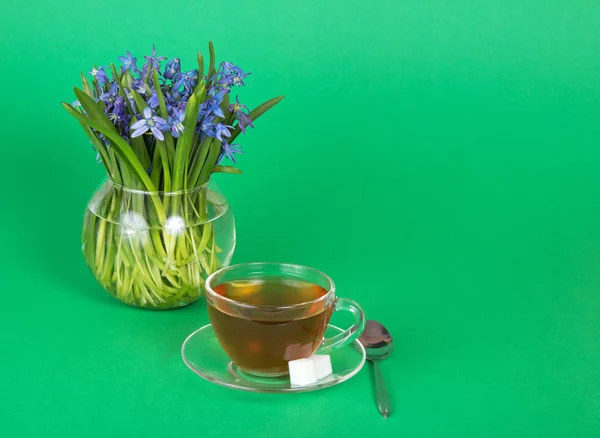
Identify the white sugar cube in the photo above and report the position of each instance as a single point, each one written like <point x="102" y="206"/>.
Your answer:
<point x="307" y="371"/>
<point x="322" y="364"/>
<point x="302" y="372"/>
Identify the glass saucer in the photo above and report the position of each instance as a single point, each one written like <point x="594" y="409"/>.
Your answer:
<point x="203" y="354"/>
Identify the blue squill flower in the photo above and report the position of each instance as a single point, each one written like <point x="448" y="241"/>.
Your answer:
<point x="212" y="105"/>
<point x="152" y="62"/>
<point x="232" y="74"/>
<point x="108" y="97"/>
<point x="120" y="116"/>
<point x="100" y="75"/>
<point x="242" y="117"/>
<point x="176" y="121"/>
<point x="237" y="106"/>
<point x="149" y="121"/>
<point x="228" y="150"/>
<point x="238" y="80"/>
<point x="218" y="90"/>
<point x="139" y="86"/>
<point x="207" y="124"/>
<point x="118" y="113"/>
<point x="170" y="100"/>
<point x="172" y="68"/>
<point x="187" y="80"/>
<point x="128" y="63"/>
<point x="219" y="130"/>
<point x="244" y="121"/>
<point x="153" y="101"/>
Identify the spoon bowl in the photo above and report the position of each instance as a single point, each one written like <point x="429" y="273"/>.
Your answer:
<point x="377" y="341"/>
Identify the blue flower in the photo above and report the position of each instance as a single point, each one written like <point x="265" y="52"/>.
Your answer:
<point x="227" y="150"/>
<point x="207" y="124"/>
<point x="128" y="63"/>
<point x="231" y="74"/>
<point x="237" y="106"/>
<point x="139" y="86"/>
<point x="153" y="101"/>
<point x="244" y="121"/>
<point x="242" y="117"/>
<point x="187" y="80"/>
<point x="219" y="130"/>
<point x="229" y="69"/>
<point x="108" y="97"/>
<point x="172" y="99"/>
<point x="176" y="121"/>
<point x="100" y="75"/>
<point x="151" y="122"/>
<point x="152" y="62"/>
<point x="172" y="68"/>
<point x="120" y="117"/>
<point x="213" y="105"/>
<point x="118" y="112"/>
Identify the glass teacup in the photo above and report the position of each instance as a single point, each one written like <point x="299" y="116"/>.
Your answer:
<point x="266" y="314"/>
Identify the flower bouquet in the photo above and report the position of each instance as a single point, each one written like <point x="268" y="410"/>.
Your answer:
<point x="158" y="227"/>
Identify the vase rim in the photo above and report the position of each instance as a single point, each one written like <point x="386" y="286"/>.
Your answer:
<point x="158" y="192"/>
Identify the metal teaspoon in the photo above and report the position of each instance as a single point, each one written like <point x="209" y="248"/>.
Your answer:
<point x="378" y="345"/>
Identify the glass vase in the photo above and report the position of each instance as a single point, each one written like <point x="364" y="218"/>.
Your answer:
<point x="156" y="249"/>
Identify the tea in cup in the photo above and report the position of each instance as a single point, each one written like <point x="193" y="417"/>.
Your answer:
<point x="267" y="314"/>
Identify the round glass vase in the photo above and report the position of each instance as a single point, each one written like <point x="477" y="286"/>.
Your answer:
<point x="156" y="249"/>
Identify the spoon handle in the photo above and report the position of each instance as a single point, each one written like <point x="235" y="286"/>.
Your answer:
<point x="383" y="400"/>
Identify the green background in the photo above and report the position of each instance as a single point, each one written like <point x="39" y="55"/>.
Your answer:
<point x="439" y="159"/>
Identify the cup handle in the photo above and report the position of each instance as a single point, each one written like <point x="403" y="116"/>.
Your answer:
<point x="349" y="335"/>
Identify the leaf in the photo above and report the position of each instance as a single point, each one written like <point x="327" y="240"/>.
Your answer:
<point x="200" y="92"/>
<point x="200" y="66"/>
<point x="166" y="166"/>
<point x="139" y="101"/>
<point x="227" y="169"/>
<point x="86" y="86"/>
<point x="139" y="147"/>
<point x="161" y="99"/>
<point x="211" y="66"/>
<point x="99" y="147"/>
<point x="198" y="162"/>
<point x="225" y="105"/>
<point x="210" y="163"/>
<point x="116" y="76"/>
<point x="256" y="113"/>
<point x="156" y="168"/>
<point x="184" y="142"/>
<point x="94" y="110"/>
<point x="127" y="80"/>
<point x="121" y="147"/>
<point x="190" y="120"/>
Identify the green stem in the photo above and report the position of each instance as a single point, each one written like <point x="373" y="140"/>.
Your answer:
<point x="210" y="163"/>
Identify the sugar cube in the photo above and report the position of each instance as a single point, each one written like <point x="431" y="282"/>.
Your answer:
<point x="302" y="372"/>
<point x="322" y="364"/>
